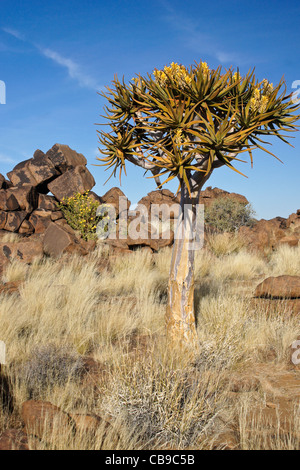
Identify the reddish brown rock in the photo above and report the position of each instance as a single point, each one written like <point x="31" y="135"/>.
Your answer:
<point x="59" y="239"/>
<point x="26" y="228"/>
<point x="47" y="203"/>
<point x="264" y="234"/>
<point x="164" y="198"/>
<point x="40" y="219"/>
<point x="282" y="287"/>
<point x="41" y="168"/>
<point x="112" y="197"/>
<point x="63" y="158"/>
<point x="26" y="250"/>
<point x="21" y="175"/>
<point x="13" y="439"/>
<point x="26" y="196"/>
<point x="8" y="202"/>
<point x="14" y="220"/>
<point x="56" y="215"/>
<point x="10" y="287"/>
<point x="41" y="418"/>
<point x="209" y="195"/>
<point x="2" y="180"/>
<point x="75" y="180"/>
<point x="3" y="219"/>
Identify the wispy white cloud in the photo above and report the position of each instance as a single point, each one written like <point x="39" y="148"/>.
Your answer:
<point x="14" y="32"/>
<point x="5" y="159"/>
<point x="73" y="69"/>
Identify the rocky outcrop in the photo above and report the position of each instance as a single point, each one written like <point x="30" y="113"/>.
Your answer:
<point x="266" y="235"/>
<point x="25" y="205"/>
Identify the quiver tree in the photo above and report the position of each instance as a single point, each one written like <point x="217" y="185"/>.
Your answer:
<point x="184" y="123"/>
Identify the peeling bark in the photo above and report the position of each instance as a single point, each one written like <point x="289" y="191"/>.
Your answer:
<point x="180" y="315"/>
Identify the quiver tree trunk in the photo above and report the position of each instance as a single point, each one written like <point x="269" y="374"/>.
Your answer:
<point x="180" y="314"/>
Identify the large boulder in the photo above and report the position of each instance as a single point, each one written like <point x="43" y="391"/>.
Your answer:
<point x="112" y="197"/>
<point x="209" y="195"/>
<point x="75" y="180"/>
<point x="280" y="287"/>
<point x="2" y="181"/>
<point x="26" y="197"/>
<point x="41" y="418"/>
<point x="8" y="201"/>
<point x="63" y="158"/>
<point x="25" y="250"/>
<point x="14" y="220"/>
<point x="59" y="239"/>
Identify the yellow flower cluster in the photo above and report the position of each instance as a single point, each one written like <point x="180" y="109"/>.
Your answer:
<point x="205" y="69"/>
<point x="236" y="76"/>
<point x="267" y="87"/>
<point x="80" y="213"/>
<point x="260" y="98"/>
<point x="179" y="139"/>
<point x="175" y="72"/>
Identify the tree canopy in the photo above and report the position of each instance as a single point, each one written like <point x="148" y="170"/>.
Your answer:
<point x="185" y="122"/>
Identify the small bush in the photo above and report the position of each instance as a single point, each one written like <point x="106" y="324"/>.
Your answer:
<point x="227" y="215"/>
<point x="80" y="211"/>
<point x="50" y="366"/>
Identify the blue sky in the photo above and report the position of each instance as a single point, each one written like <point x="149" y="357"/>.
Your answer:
<point x="56" y="55"/>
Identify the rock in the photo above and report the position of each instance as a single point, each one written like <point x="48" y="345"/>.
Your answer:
<point x="26" y="196"/>
<point x="2" y="181"/>
<point x="41" y="418"/>
<point x="13" y="439"/>
<point x="21" y="175"/>
<point x="63" y="158"/>
<point x="14" y="220"/>
<point x="26" y="228"/>
<point x="25" y="250"/>
<point x="57" y="215"/>
<point x="10" y="287"/>
<point x="8" y="202"/>
<point x="40" y="219"/>
<point x="75" y="180"/>
<point x="61" y="239"/>
<point x="41" y="168"/>
<point x="47" y="203"/>
<point x="265" y="234"/>
<point x="3" y="219"/>
<point x="164" y="198"/>
<point x="112" y="197"/>
<point x="209" y="195"/>
<point x="282" y="287"/>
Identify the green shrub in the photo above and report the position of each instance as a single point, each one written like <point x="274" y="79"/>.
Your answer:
<point x="80" y="211"/>
<point x="227" y="215"/>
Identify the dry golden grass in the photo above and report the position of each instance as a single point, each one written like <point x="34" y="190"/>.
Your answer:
<point x="155" y="398"/>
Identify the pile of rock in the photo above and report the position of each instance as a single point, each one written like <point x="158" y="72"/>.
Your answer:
<point x="268" y="235"/>
<point x="25" y="206"/>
